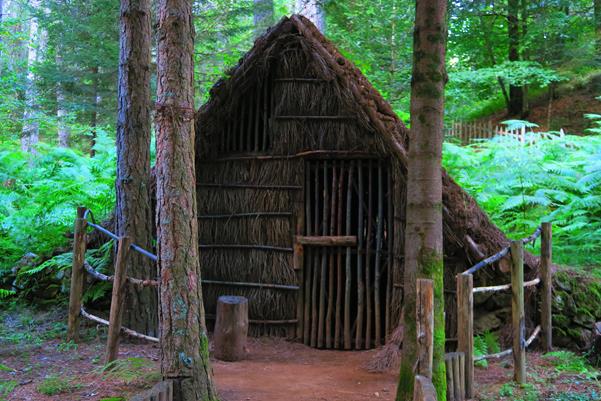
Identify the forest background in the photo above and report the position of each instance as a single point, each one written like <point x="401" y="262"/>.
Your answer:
<point x="513" y="59"/>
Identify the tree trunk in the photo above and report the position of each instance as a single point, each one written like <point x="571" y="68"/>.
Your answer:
<point x="263" y="15"/>
<point x="30" y="134"/>
<point x="134" y="209"/>
<point x="313" y="10"/>
<point x="516" y="94"/>
<point x="94" y="113"/>
<point x="183" y="336"/>
<point x="525" y="55"/>
<point x="61" y="112"/>
<point x="597" y="13"/>
<point x="423" y="232"/>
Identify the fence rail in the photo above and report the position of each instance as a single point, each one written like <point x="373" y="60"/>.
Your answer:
<point x="465" y="305"/>
<point x="468" y="132"/>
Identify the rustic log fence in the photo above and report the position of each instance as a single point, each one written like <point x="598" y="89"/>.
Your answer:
<point x="85" y="219"/>
<point x="423" y="389"/>
<point x="465" y="306"/>
<point x="468" y="132"/>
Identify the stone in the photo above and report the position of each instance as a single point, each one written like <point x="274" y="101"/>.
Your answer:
<point x="486" y="322"/>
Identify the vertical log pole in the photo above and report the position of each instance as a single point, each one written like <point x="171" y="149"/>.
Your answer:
<point x="360" y="248"/>
<point x="465" y="329"/>
<point x="307" y="261"/>
<point x="77" y="274"/>
<point x="120" y="278"/>
<point x="315" y="262"/>
<point x="389" y="256"/>
<point x="424" y="326"/>
<point x="367" y="247"/>
<point x="517" y="311"/>
<point x="347" y="285"/>
<point x="324" y="259"/>
<point x="300" y="300"/>
<point x="546" y="278"/>
<point x="331" y="258"/>
<point x="378" y="267"/>
<point x="338" y="325"/>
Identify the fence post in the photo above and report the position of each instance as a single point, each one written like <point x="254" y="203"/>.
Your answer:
<point x="112" y="345"/>
<point x="517" y="311"/>
<point x="77" y="274"/>
<point x="465" y="327"/>
<point x="425" y="326"/>
<point x="547" y="280"/>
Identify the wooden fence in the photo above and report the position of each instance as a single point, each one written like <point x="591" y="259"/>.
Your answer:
<point x="468" y="132"/>
<point x="423" y="390"/>
<point x="80" y="267"/>
<point x="465" y="306"/>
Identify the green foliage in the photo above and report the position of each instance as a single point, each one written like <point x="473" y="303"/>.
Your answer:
<point x="567" y="361"/>
<point x="130" y="370"/>
<point x="485" y="344"/>
<point x="38" y="201"/>
<point x="53" y="385"/>
<point x="519" y="185"/>
<point x="591" y="395"/>
<point x="6" y="387"/>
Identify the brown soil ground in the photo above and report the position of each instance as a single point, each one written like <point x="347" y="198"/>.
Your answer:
<point x="274" y="370"/>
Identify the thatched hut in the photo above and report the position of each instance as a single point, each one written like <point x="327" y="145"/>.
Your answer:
<point x="301" y="169"/>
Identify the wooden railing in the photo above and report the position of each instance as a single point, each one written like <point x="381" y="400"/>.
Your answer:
<point x="465" y="306"/>
<point x="468" y="132"/>
<point x="80" y="267"/>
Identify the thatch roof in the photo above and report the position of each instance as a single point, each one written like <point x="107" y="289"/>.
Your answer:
<point x="467" y="228"/>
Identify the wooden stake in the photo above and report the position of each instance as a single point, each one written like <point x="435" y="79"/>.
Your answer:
<point x="547" y="279"/>
<point x="360" y="282"/>
<point x="307" y="261"/>
<point x="378" y="267"/>
<point x="517" y="311"/>
<point x="265" y="114"/>
<point x="315" y="263"/>
<point x="425" y="326"/>
<point x="465" y="330"/>
<point x="331" y="257"/>
<point x="324" y="259"/>
<point x="368" y="246"/>
<point x="450" y="379"/>
<point x="389" y="256"/>
<point x="77" y="274"/>
<point x="347" y="286"/>
<point x="120" y="278"/>
<point x="339" y="289"/>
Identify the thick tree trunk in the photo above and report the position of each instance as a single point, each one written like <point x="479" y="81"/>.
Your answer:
<point x="263" y="15"/>
<point x="313" y="10"/>
<point x="30" y="134"/>
<point x="94" y="114"/>
<point x="516" y="93"/>
<point x="183" y="335"/>
<point x="423" y="232"/>
<point x="134" y="209"/>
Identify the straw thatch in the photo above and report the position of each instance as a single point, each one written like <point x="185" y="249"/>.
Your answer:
<point x="255" y="97"/>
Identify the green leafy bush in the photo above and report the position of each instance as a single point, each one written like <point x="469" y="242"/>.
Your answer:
<point x="555" y="178"/>
<point x="38" y="200"/>
<point x="53" y="385"/>
<point x="567" y="361"/>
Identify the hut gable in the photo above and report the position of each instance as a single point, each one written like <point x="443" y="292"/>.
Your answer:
<point x="301" y="168"/>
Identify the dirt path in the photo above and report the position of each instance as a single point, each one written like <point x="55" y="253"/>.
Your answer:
<point x="280" y="371"/>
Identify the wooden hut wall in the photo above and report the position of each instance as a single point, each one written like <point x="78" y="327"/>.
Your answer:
<point x="250" y="186"/>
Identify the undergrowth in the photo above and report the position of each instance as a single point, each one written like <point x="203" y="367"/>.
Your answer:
<point x="554" y="179"/>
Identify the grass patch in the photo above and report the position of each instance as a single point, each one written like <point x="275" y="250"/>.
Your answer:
<point x="569" y="362"/>
<point x="130" y="370"/>
<point x="7" y="387"/>
<point x="53" y="385"/>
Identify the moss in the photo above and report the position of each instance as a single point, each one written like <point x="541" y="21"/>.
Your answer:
<point x="406" y="380"/>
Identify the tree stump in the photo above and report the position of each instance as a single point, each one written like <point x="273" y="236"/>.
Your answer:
<point x="231" y="328"/>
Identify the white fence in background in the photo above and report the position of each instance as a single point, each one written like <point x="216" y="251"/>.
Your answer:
<point x="467" y="132"/>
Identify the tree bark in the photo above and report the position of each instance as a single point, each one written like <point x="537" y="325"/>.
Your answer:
<point x="516" y="94"/>
<point x="94" y="113"/>
<point x="313" y="10"/>
<point x="183" y="336"/>
<point x="134" y="208"/>
<point x="30" y="134"/>
<point x="61" y="111"/>
<point x="263" y="15"/>
<point x="423" y="232"/>
<point x="597" y="16"/>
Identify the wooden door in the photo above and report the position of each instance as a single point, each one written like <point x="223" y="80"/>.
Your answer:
<point x="346" y="280"/>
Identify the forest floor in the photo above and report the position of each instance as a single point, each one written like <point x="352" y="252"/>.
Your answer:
<point x="35" y="364"/>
